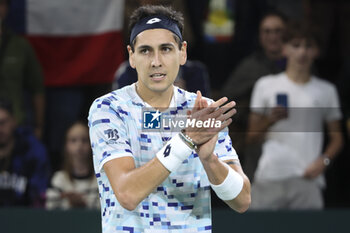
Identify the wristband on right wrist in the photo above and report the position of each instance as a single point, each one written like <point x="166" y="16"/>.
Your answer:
<point x="174" y="153"/>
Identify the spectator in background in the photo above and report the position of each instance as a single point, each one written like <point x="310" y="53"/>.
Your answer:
<point x="21" y="75"/>
<point x="288" y="112"/>
<point x="266" y="60"/>
<point x="224" y="32"/>
<point x="24" y="165"/>
<point x="75" y="185"/>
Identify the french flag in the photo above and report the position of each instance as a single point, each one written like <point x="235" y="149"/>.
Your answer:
<point x="77" y="41"/>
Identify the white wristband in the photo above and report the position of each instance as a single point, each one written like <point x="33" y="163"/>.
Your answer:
<point x="230" y="187"/>
<point x="174" y="153"/>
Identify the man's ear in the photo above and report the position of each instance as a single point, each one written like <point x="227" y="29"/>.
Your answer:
<point x="183" y="53"/>
<point x="131" y="57"/>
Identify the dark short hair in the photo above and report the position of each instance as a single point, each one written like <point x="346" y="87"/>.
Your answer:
<point x="6" y="105"/>
<point x="150" y="10"/>
<point x="301" y="30"/>
<point x="274" y="13"/>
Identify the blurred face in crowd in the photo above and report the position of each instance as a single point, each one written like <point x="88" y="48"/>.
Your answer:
<point x="300" y="53"/>
<point x="7" y="127"/>
<point x="3" y="9"/>
<point x="157" y="59"/>
<point x="271" y="31"/>
<point x="78" y="143"/>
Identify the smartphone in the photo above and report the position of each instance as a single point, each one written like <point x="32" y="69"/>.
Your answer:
<point x="282" y="99"/>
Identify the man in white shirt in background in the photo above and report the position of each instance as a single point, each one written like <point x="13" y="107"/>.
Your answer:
<point x="289" y="111"/>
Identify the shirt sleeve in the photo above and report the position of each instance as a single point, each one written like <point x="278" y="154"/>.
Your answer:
<point x="108" y="132"/>
<point x="223" y="148"/>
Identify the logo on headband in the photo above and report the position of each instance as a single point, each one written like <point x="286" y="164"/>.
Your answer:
<point x="154" y="20"/>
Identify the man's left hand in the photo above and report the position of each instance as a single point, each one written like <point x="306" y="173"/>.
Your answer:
<point x="315" y="169"/>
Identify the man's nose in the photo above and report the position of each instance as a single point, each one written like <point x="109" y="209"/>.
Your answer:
<point x="302" y="50"/>
<point x="156" y="60"/>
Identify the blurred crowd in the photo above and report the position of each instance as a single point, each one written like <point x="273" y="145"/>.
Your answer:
<point x="236" y="48"/>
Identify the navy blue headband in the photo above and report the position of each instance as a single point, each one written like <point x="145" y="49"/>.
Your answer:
<point x="152" y="22"/>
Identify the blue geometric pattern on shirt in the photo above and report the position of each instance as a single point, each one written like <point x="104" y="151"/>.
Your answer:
<point x="182" y="202"/>
<point x="221" y="141"/>
<point x="137" y="104"/>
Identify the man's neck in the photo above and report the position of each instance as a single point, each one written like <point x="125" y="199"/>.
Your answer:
<point x="299" y="76"/>
<point x="5" y="150"/>
<point x="158" y="100"/>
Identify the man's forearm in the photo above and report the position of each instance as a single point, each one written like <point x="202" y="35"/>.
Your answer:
<point x="132" y="185"/>
<point x="215" y="169"/>
<point x="335" y="139"/>
<point x="334" y="146"/>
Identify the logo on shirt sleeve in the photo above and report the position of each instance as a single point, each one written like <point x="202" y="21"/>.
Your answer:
<point x="112" y="136"/>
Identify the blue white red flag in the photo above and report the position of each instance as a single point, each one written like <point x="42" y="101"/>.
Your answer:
<point x="77" y="41"/>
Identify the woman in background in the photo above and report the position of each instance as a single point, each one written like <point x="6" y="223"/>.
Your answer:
<point x="75" y="185"/>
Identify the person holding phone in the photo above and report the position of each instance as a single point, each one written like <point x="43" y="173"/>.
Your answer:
<point x="288" y="112"/>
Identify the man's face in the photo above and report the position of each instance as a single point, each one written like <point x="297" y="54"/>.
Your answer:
<point x="271" y="31"/>
<point x="78" y="143"/>
<point x="300" y="52"/>
<point x="7" y="127"/>
<point x="157" y="59"/>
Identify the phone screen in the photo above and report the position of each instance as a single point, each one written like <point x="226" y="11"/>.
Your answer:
<point x="282" y="99"/>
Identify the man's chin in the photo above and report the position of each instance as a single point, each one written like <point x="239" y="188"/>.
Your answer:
<point x="159" y="88"/>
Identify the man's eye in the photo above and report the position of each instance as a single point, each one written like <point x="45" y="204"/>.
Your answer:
<point x="166" y="49"/>
<point x="144" y="51"/>
<point x="296" y="45"/>
<point x="72" y="140"/>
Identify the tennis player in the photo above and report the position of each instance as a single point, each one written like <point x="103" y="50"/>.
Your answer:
<point x="153" y="178"/>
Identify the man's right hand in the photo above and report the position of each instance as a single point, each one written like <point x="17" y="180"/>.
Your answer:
<point x="277" y="113"/>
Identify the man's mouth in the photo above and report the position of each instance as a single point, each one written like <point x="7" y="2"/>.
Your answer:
<point x="158" y="76"/>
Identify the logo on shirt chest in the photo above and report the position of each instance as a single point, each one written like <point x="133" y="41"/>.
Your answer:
<point x="151" y="119"/>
